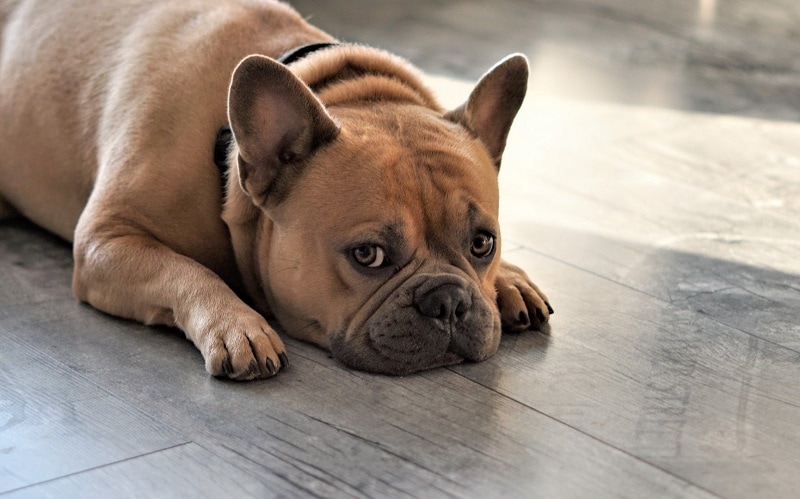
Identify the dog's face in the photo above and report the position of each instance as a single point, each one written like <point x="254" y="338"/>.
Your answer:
<point x="388" y="245"/>
<point x="380" y="237"/>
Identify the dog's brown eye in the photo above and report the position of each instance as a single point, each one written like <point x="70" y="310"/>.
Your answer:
<point x="482" y="245"/>
<point x="369" y="255"/>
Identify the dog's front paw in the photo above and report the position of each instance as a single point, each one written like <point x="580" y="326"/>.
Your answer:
<point x="243" y="346"/>
<point x="522" y="304"/>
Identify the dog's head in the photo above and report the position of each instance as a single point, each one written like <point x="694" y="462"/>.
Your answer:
<point x="362" y="214"/>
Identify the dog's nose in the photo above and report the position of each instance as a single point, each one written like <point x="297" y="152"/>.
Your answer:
<point x="447" y="303"/>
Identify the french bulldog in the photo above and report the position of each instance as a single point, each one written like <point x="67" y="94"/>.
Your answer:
<point x="354" y="209"/>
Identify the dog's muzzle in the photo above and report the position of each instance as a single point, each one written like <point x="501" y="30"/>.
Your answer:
<point x="430" y="321"/>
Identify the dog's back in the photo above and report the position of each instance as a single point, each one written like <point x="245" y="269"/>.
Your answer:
<point x="46" y="87"/>
<point x="68" y="90"/>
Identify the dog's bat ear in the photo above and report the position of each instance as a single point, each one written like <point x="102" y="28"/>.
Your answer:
<point x="277" y="123"/>
<point x="494" y="103"/>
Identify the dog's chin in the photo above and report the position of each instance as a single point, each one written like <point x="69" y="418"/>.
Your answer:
<point x="364" y="355"/>
<point x="431" y="320"/>
<point x="401" y="342"/>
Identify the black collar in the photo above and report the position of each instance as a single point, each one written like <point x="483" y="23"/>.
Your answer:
<point x="298" y="53"/>
<point x="225" y="136"/>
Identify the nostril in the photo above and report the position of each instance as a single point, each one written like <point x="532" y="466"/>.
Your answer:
<point x="447" y="303"/>
<point x="462" y="308"/>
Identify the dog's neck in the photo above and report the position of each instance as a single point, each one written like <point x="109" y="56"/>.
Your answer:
<point x="347" y="74"/>
<point x="344" y="74"/>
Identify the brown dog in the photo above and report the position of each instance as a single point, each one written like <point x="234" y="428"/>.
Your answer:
<point x="356" y="210"/>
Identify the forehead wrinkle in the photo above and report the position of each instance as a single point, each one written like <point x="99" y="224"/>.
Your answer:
<point x="444" y="201"/>
<point x="429" y="173"/>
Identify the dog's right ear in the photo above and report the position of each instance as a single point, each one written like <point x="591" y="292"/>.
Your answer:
<point x="277" y="123"/>
<point x="494" y="103"/>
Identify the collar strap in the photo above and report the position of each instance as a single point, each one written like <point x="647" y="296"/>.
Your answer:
<point x="303" y="50"/>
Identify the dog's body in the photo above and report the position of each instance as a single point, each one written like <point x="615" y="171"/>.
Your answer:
<point x="356" y="210"/>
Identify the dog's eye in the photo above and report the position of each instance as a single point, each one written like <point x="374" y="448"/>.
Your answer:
<point x="482" y="245"/>
<point x="370" y="255"/>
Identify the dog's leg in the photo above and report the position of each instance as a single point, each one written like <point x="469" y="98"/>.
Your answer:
<point x="125" y="271"/>
<point x="522" y="304"/>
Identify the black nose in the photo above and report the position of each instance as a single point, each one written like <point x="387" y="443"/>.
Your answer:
<point x="447" y="303"/>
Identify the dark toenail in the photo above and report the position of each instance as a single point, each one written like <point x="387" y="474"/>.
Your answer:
<point x="549" y="308"/>
<point x="540" y="315"/>
<point x="284" y="359"/>
<point x="271" y="367"/>
<point x="524" y="319"/>
<point x="227" y="367"/>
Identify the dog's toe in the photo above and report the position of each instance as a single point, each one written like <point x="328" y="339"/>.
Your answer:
<point x="245" y="351"/>
<point x="521" y="303"/>
<point x="227" y="368"/>
<point x="268" y="350"/>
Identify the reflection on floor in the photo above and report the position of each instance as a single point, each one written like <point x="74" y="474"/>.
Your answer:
<point x="651" y="187"/>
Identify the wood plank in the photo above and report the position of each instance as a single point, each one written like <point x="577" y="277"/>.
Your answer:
<point x="184" y="471"/>
<point x="327" y="430"/>
<point x="711" y="404"/>
<point x="23" y="279"/>
<point x="330" y="431"/>
<point x="669" y="212"/>
<point x="54" y="422"/>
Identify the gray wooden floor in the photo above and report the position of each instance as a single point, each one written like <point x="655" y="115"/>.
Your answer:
<point x="651" y="187"/>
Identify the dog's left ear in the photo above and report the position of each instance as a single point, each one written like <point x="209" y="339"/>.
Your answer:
<point x="278" y="123"/>
<point x="494" y="103"/>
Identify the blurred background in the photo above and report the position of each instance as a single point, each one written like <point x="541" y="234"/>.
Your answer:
<point x="719" y="56"/>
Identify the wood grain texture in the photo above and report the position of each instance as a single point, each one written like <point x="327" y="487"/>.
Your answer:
<point x="677" y="389"/>
<point x="322" y="429"/>
<point x="709" y="225"/>
<point x="183" y="471"/>
<point x="54" y="422"/>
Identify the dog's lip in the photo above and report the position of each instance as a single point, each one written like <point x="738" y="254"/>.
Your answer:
<point x="453" y="348"/>
<point x="401" y="364"/>
<point x="355" y="344"/>
<point x="379" y="299"/>
<point x="446" y="358"/>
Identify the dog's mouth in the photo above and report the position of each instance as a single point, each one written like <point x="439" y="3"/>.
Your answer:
<point x="431" y="321"/>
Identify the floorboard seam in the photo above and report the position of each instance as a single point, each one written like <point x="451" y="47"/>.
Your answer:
<point x="278" y="474"/>
<point x="94" y="468"/>
<point x="94" y="383"/>
<point x="589" y="435"/>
